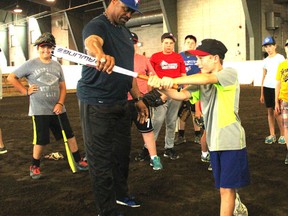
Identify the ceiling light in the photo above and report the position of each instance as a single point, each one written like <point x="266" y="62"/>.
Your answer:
<point x="50" y="0"/>
<point x="17" y="9"/>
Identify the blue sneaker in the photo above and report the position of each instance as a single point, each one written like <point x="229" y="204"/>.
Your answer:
<point x="128" y="201"/>
<point x="281" y="140"/>
<point x="156" y="163"/>
<point x="270" y="139"/>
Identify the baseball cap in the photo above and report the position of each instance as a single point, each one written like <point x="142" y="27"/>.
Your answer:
<point x="268" y="40"/>
<point x="132" y="4"/>
<point x="134" y="37"/>
<point x="286" y="43"/>
<point x="168" y="35"/>
<point x="46" y="39"/>
<point x="210" y="47"/>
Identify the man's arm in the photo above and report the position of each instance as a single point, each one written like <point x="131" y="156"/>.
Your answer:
<point x="93" y="45"/>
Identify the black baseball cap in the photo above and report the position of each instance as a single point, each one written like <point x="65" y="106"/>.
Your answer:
<point x="134" y="37"/>
<point x="210" y="47"/>
<point x="168" y="35"/>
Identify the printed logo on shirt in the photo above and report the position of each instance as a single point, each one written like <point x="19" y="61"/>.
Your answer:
<point x="165" y="65"/>
<point x="190" y="62"/>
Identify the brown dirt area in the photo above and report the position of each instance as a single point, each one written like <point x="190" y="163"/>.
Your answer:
<point x="184" y="187"/>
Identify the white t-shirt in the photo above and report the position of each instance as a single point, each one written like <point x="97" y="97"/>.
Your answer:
<point x="271" y="65"/>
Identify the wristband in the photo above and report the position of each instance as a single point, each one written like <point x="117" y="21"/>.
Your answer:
<point x="137" y="99"/>
<point x="59" y="103"/>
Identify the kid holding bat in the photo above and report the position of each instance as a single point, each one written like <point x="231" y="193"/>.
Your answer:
<point x="219" y="91"/>
<point x="46" y="92"/>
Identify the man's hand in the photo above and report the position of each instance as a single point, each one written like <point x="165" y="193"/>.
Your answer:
<point x="143" y="113"/>
<point x="105" y="63"/>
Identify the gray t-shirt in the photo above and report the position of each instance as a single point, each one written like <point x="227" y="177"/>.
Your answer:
<point x="220" y="105"/>
<point x="47" y="77"/>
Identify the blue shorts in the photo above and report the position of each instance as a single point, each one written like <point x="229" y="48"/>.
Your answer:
<point x="230" y="168"/>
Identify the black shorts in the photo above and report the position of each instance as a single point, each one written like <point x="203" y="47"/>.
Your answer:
<point x="142" y="128"/>
<point x="269" y="97"/>
<point x="42" y="124"/>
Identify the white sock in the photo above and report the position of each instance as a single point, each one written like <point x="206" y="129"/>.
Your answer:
<point x="152" y="157"/>
<point x="204" y="154"/>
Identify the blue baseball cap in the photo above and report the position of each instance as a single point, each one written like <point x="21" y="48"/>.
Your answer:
<point x="268" y="40"/>
<point x="132" y="4"/>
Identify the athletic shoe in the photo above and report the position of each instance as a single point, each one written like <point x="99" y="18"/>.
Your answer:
<point x="143" y="156"/>
<point x="156" y="163"/>
<point x="205" y="159"/>
<point x="3" y="150"/>
<point x="240" y="209"/>
<point x="82" y="165"/>
<point x="35" y="172"/>
<point x="197" y="139"/>
<point x="270" y="139"/>
<point x="180" y="140"/>
<point x="128" y="201"/>
<point x="281" y="140"/>
<point x="286" y="159"/>
<point x="171" y="153"/>
<point x="210" y="167"/>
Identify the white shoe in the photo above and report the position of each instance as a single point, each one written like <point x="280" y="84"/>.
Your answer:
<point x="240" y="209"/>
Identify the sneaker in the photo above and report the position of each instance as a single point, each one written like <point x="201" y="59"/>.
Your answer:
<point x="128" y="201"/>
<point x="82" y="165"/>
<point x="156" y="163"/>
<point x="197" y="139"/>
<point x="210" y="167"/>
<point x="205" y="159"/>
<point x="180" y="140"/>
<point x="270" y="139"/>
<point x="143" y="156"/>
<point x="286" y="159"/>
<point x="171" y="153"/>
<point x="3" y="150"/>
<point x="240" y="209"/>
<point x="281" y="140"/>
<point x="35" y="172"/>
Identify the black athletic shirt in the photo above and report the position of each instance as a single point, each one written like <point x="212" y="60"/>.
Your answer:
<point x="97" y="87"/>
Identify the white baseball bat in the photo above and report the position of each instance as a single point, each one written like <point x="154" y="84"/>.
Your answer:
<point x="83" y="59"/>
